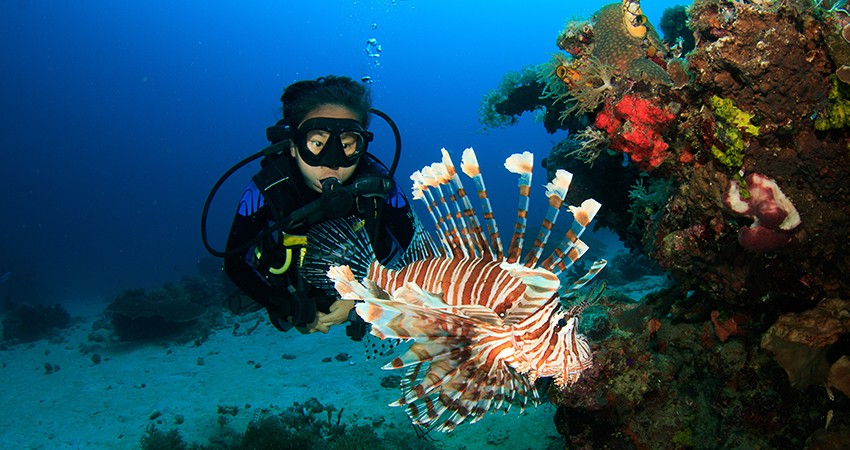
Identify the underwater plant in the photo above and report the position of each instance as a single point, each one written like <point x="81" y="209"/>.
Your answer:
<point x="648" y="197"/>
<point x="587" y="145"/>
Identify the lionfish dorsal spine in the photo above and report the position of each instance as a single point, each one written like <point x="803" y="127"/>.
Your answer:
<point x="466" y="212"/>
<point x="454" y="212"/>
<point x="469" y="165"/>
<point x="521" y="164"/>
<point x="556" y="190"/>
<point x="571" y="247"/>
<point x="578" y="284"/>
<point x="422" y="192"/>
<point x="432" y="176"/>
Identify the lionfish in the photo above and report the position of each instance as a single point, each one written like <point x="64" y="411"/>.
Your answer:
<point x="485" y="324"/>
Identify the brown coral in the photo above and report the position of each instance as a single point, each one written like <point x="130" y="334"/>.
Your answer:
<point x="800" y="341"/>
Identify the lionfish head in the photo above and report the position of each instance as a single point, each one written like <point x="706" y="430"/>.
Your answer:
<point x="572" y="353"/>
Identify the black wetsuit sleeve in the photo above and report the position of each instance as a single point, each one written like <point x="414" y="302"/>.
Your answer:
<point x="237" y="268"/>
<point x="251" y="219"/>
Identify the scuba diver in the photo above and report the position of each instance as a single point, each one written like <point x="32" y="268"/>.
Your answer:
<point x="316" y="169"/>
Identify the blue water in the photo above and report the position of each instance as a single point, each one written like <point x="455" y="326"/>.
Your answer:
<point x="117" y="117"/>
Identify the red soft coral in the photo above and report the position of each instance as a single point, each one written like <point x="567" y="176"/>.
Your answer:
<point x="634" y="125"/>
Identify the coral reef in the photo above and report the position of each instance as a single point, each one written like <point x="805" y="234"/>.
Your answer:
<point x="735" y="185"/>
<point x="26" y="323"/>
<point x="748" y="99"/>
<point x="800" y="342"/>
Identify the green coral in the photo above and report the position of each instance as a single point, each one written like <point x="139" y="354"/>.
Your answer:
<point x="648" y="199"/>
<point x="837" y="114"/>
<point x="488" y="112"/>
<point x="731" y="127"/>
<point x="614" y="45"/>
<point x="674" y="25"/>
<point x="684" y="438"/>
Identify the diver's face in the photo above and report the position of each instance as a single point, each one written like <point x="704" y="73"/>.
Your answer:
<point x="313" y="175"/>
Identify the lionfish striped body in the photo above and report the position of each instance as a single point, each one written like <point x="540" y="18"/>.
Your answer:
<point x="485" y="326"/>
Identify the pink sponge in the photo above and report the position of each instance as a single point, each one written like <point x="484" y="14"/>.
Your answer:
<point x="774" y="216"/>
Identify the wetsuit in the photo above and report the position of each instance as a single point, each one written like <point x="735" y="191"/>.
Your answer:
<point x="268" y="271"/>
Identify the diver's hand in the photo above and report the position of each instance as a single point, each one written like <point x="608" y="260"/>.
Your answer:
<point x="311" y="327"/>
<point x="338" y="314"/>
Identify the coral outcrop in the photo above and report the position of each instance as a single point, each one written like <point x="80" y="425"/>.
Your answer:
<point x="25" y="323"/>
<point x="173" y="310"/>
<point x="744" y="147"/>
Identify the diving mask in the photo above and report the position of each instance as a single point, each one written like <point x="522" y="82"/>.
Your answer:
<point x="327" y="142"/>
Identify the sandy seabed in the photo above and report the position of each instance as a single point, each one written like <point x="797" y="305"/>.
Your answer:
<point x="109" y="404"/>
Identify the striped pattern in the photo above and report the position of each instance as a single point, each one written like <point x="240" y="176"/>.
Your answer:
<point x="484" y="326"/>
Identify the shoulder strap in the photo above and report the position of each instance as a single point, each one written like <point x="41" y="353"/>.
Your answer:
<point x="280" y="198"/>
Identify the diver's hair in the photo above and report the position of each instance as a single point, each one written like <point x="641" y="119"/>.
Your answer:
<point x="301" y="97"/>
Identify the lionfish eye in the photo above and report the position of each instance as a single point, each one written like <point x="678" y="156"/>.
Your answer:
<point x="562" y="323"/>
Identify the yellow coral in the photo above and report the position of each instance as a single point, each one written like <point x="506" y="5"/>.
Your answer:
<point x="837" y="114"/>
<point x="726" y="111"/>
<point x="732" y="123"/>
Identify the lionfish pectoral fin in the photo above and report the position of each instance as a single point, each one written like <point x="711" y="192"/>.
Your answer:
<point x="346" y="285"/>
<point x="376" y="290"/>
<point x="480" y="313"/>
<point x="449" y="347"/>
<point x="541" y="285"/>
<point x="402" y="320"/>
<point x="412" y="294"/>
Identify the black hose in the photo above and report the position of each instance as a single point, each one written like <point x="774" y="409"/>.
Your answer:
<point x="210" y="197"/>
<point x="397" y="134"/>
